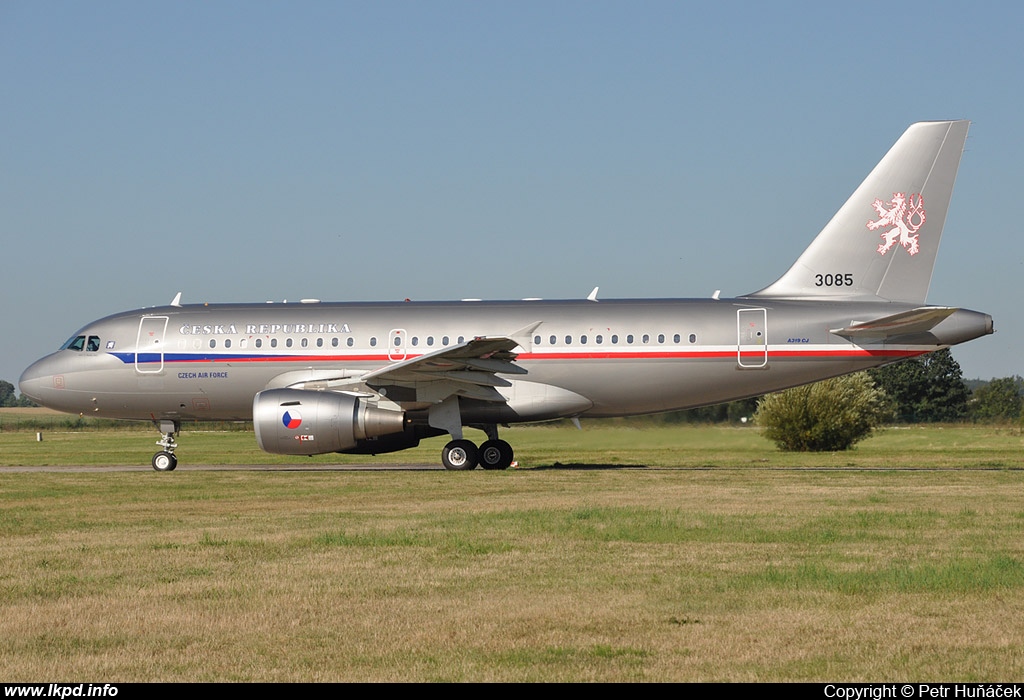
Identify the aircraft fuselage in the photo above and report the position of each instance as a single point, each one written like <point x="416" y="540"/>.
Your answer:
<point x="582" y="358"/>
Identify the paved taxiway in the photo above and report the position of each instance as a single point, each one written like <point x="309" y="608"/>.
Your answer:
<point x="233" y="468"/>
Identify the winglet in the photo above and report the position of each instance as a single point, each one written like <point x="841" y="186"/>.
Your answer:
<point x="593" y="295"/>
<point x="177" y="300"/>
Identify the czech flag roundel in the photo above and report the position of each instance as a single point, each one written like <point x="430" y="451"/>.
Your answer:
<point x="292" y="419"/>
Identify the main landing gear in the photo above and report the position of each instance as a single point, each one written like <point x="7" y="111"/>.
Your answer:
<point x="164" y="460"/>
<point x="463" y="455"/>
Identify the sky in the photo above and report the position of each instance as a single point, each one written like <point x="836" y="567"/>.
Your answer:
<point x="254" y="151"/>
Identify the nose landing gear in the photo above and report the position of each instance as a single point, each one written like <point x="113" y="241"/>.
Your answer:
<point x="164" y="460"/>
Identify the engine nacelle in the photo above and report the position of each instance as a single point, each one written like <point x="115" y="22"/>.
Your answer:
<point x="302" y="422"/>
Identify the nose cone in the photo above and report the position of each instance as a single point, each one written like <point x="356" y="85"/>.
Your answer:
<point x="38" y="382"/>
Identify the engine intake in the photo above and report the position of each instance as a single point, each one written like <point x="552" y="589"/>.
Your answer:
<point x="302" y="422"/>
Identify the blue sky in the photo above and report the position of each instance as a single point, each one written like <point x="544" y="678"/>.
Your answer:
<point x="252" y="151"/>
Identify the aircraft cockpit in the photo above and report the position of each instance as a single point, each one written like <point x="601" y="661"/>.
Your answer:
<point x="81" y="342"/>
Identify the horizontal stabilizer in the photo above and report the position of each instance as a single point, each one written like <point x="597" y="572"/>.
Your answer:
<point x="905" y="323"/>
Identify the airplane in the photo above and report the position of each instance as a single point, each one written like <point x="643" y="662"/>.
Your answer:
<point x="377" y="377"/>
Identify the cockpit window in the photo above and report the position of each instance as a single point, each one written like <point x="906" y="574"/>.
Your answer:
<point x="81" y="342"/>
<point x="76" y="343"/>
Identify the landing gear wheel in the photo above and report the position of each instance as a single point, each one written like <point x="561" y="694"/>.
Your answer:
<point x="459" y="455"/>
<point x="496" y="454"/>
<point x="164" y="461"/>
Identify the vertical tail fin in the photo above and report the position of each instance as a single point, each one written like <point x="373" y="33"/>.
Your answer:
<point x="882" y="243"/>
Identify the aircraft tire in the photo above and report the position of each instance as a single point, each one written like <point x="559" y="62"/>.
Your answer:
<point x="496" y="454"/>
<point x="459" y="455"/>
<point x="164" y="461"/>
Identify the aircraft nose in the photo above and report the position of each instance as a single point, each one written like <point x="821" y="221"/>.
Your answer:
<point x="37" y="382"/>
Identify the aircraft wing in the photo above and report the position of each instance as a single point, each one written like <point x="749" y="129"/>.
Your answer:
<point x="468" y="369"/>
<point x="910" y="322"/>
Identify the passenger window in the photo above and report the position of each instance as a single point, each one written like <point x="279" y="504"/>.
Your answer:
<point x="615" y="340"/>
<point x="583" y="339"/>
<point x="598" y="339"/>
<point x="552" y="340"/>
<point x="227" y="342"/>
<point x="693" y="337"/>
<point x="94" y="343"/>
<point x="213" y="342"/>
<point x="661" y="338"/>
<point x="373" y="342"/>
<point x="444" y="341"/>
<point x="568" y="340"/>
<point x="259" y="342"/>
<point x="676" y="338"/>
<point x="646" y="339"/>
<point x="629" y="339"/>
<point x="349" y="342"/>
<point x="536" y="340"/>
<point x="273" y="342"/>
<point x="288" y="342"/>
<point x="415" y="340"/>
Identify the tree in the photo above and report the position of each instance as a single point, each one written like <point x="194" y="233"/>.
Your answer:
<point x="927" y="389"/>
<point x="999" y="399"/>
<point x="7" y="395"/>
<point x="825" y="416"/>
<point x="8" y="398"/>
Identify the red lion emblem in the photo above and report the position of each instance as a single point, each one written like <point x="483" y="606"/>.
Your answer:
<point x="905" y="217"/>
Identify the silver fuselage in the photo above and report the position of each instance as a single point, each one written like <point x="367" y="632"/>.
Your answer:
<point x="581" y="358"/>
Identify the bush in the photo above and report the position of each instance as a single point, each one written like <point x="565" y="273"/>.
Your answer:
<point x="826" y="416"/>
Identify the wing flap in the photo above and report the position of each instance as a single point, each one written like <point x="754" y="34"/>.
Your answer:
<point x="468" y="369"/>
<point x="436" y="392"/>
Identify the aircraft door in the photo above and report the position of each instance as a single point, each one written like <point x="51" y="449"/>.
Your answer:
<point x="752" y="338"/>
<point x="149" y="346"/>
<point x="396" y="345"/>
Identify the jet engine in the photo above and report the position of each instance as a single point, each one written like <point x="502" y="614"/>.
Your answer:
<point x="303" y="422"/>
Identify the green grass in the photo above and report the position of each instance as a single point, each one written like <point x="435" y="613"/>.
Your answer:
<point x="619" y="443"/>
<point x="615" y="554"/>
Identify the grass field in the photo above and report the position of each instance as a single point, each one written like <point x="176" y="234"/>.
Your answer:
<point x="622" y="552"/>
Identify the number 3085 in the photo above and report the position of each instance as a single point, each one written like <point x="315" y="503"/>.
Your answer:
<point x="836" y="280"/>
